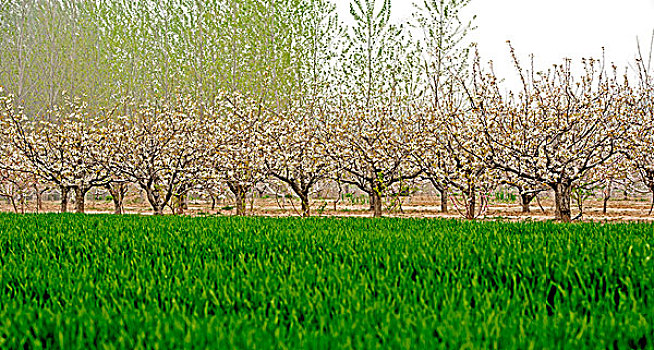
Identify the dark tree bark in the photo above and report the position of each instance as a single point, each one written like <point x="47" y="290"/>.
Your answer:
<point x="12" y="200"/>
<point x="240" y="192"/>
<point x="181" y="204"/>
<point x="444" y="193"/>
<point x="562" y="195"/>
<point x="117" y="191"/>
<point x="80" y="199"/>
<point x="155" y="202"/>
<point x="377" y="204"/>
<point x="301" y="186"/>
<point x="525" y="201"/>
<point x="371" y="200"/>
<point x="64" y="198"/>
<point x="306" y="207"/>
<point x="471" y="203"/>
<point x="39" y="199"/>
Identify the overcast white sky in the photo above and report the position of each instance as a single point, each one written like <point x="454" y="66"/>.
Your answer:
<point x="551" y="29"/>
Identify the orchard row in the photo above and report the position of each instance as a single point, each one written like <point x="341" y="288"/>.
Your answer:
<point x="181" y="95"/>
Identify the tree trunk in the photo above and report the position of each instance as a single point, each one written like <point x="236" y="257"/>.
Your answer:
<point x="181" y="204"/>
<point x="117" y="192"/>
<point x="240" y="203"/>
<point x="377" y="204"/>
<point x="80" y="196"/>
<point x="525" y="201"/>
<point x="39" y="201"/>
<point x="240" y="193"/>
<point x="371" y="199"/>
<point x="64" y="198"/>
<point x="118" y="204"/>
<point x="562" y="194"/>
<point x="155" y="202"/>
<point x="158" y="210"/>
<point x="442" y="190"/>
<point x="471" y="204"/>
<point x="12" y="200"/>
<point x="178" y="206"/>
<point x="444" y="195"/>
<point x="23" y="203"/>
<point x="213" y="202"/>
<point x="306" y="207"/>
<point x="606" y="203"/>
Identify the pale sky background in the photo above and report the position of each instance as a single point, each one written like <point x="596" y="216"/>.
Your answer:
<point x="550" y="29"/>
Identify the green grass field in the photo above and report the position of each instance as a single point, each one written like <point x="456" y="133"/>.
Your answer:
<point x="82" y="282"/>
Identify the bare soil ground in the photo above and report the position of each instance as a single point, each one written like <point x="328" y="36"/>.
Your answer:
<point x="619" y="210"/>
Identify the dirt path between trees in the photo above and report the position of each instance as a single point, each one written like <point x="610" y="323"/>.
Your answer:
<point x="420" y="207"/>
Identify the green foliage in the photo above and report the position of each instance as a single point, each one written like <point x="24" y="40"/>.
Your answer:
<point x="446" y="52"/>
<point x="380" y="56"/>
<point x="107" y="50"/>
<point x="505" y="197"/>
<point x="71" y="282"/>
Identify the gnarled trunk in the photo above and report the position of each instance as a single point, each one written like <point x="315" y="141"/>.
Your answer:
<point x="471" y="203"/>
<point x="158" y="211"/>
<point x="23" y="203"/>
<point x="306" y="207"/>
<point x="562" y="195"/>
<point x="444" y="193"/>
<point x="377" y="204"/>
<point x="39" y="200"/>
<point x="117" y="192"/>
<point x="156" y="203"/>
<point x="12" y="200"/>
<point x="181" y="204"/>
<point x="525" y="201"/>
<point x="240" y="204"/>
<point x="64" y="198"/>
<point x="371" y="199"/>
<point x="240" y="192"/>
<point x="118" y="204"/>
<point x="80" y="197"/>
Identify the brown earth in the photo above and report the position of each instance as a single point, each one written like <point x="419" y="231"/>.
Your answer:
<point x="414" y="207"/>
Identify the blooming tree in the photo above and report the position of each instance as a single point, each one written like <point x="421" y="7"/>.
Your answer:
<point x="160" y="148"/>
<point x="557" y="129"/>
<point x="639" y="148"/>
